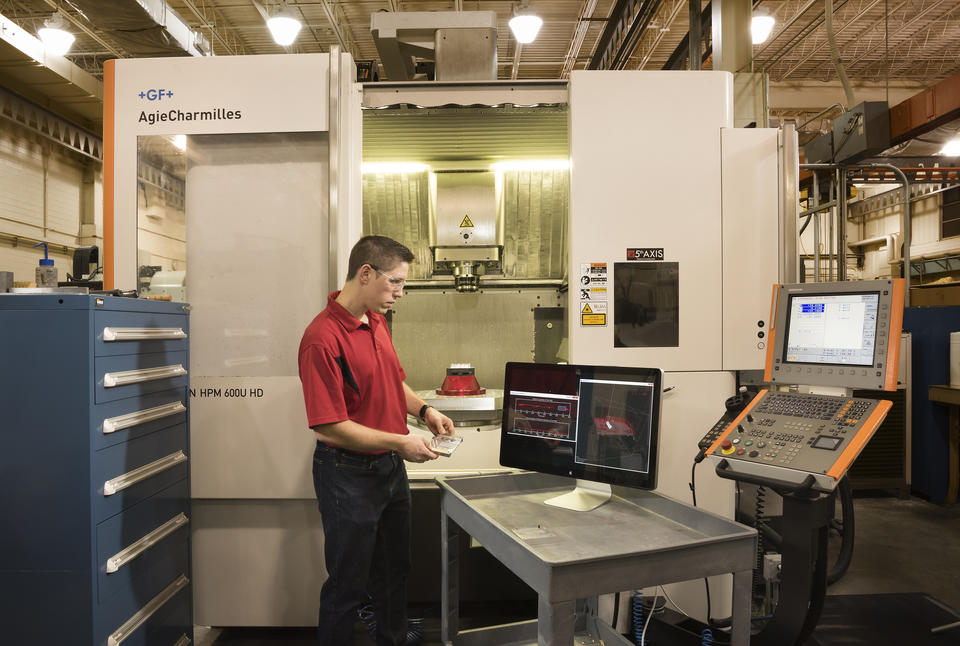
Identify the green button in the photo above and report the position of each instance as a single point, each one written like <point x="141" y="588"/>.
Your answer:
<point x="748" y="442"/>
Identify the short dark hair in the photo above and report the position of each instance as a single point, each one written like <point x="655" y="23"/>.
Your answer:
<point x="379" y="252"/>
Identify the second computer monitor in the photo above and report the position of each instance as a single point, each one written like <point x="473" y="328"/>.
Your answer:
<point x="588" y="422"/>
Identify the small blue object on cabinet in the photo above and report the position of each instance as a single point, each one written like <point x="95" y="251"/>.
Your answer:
<point x="95" y="509"/>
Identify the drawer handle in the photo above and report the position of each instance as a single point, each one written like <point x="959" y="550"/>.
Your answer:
<point x="141" y="616"/>
<point x="143" y="333"/>
<point x="137" y="548"/>
<point x="113" y="424"/>
<point x="140" y="474"/>
<point x="111" y="379"/>
<point x="183" y="641"/>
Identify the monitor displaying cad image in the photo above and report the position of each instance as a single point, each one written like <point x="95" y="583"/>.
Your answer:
<point x="835" y="329"/>
<point x="588" y="422"/>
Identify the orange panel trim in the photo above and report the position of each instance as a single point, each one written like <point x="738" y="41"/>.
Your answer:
<point x="768" y="369"/>
<point x="735" y="422"/>
<point x="896" y="329"/>
<point x="859" y="440"/>
<point x="109" y="98"/>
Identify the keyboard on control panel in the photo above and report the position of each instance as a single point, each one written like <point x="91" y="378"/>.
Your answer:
<point x="801" y="431"/>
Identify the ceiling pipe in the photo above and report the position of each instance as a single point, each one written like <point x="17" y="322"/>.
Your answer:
<point x="835" y="52"/>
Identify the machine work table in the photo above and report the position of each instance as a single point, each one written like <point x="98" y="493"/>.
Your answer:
<point x="950" y="396"/>
<point x="636" y="539"/>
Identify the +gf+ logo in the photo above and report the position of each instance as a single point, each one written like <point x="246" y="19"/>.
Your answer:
<point x="155" y="94"/>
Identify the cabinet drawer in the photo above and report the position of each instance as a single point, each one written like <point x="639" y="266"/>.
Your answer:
<point x="138" y="374"/>
<point x="125" y="474"/>
<point x="155" y="616"/>
<point x="153" y="534"/>
<point x="118" y="333"/>
<point x="126" y="419"/>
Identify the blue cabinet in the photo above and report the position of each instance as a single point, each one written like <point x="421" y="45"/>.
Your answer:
<point x="94" y="471"/>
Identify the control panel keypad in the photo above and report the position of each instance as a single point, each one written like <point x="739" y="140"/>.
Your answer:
<point x="798" y="431"/>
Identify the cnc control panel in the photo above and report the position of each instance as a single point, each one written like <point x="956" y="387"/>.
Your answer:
<point x="786" y="436"/>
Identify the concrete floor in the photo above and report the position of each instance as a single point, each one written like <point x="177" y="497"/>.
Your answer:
<point x="901" y="546"/>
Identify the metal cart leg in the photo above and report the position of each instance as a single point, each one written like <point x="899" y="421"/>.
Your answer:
<point x="742" y="589"/>
<point x="555" y="622"/>
<point x="450" y="576"/>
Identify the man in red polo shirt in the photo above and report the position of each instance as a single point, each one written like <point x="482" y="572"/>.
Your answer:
<point x="357" y="404"/>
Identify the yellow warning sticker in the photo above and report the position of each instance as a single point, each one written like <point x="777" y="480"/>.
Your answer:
<point x="466" y="222"/>
<point x="593" y="319"/>
<point x="586" y="309"/>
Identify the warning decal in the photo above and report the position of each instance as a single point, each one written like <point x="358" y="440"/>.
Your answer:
<point x="586" y="309"/>
<point x="593" y="319"/>
<point x="466" y="222"/>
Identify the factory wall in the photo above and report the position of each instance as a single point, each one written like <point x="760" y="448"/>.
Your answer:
<point x="47" y="194"/>
<point x="877" y="212"/>
<point x="870" y="220"/>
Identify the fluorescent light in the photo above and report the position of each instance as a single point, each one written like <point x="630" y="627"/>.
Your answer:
<point x="532" y="164"/>
<point x="284" y="25"/>
<point x="180" y="141"/>
<point x="951" y="148"/>
<point x="525" y="27"/>
<point x="54" y="35"/>
<point x="762" y="25"/>
<point x="388" y="168"/>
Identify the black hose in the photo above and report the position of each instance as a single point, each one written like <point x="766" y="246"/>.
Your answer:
<point x="847" y="532"/>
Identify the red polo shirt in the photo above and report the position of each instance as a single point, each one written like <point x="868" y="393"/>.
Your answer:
<point x="350" y="370"/>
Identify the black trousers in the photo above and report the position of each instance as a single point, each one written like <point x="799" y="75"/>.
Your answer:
<point x="365" y="507"/>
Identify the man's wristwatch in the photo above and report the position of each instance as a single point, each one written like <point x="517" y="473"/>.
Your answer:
<point x="423" y="410"/>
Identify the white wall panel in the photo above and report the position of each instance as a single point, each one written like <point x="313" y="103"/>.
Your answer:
<point x="64" y="187"/>
<point x="21" y="180"/>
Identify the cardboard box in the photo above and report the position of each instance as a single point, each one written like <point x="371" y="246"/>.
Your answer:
<point x="935" y="296"/>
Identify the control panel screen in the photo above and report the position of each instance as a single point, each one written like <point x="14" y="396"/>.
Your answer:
<point x="582" y="421"/>
<point x="827" y="442"/>
<point x="834" y="329"/>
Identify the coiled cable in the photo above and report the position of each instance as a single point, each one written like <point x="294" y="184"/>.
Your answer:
<point x="636" y="614"/>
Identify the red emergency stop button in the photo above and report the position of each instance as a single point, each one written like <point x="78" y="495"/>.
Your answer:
<point x="726" y="447"/>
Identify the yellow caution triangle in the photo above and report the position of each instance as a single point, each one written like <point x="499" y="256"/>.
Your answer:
<point x="586" y="309"/>
<point x="466" y="222"/>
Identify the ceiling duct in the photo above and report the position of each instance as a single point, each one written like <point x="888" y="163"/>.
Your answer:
<point x="144" y="27"/>
<point x="463" y="44"/>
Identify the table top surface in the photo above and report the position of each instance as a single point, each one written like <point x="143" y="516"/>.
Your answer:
<point x="631" y="523"/>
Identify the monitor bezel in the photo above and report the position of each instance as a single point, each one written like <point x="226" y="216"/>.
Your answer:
<point x="512" y="445"/>
<point x="786" y="335"/>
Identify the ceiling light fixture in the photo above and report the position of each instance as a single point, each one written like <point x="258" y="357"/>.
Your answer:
<point x="284" y="25"/>
<point x="525" y="24"/>
<point x="54" y="35"/>
<point x="951" y="148"/>
<point x="761" y="25"/>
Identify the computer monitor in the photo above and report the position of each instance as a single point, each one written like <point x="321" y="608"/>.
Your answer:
<point x="598" y="424"/>
<point x="844" y="334"/>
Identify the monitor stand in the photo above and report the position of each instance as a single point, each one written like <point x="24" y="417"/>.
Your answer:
<point x="585" y="496"/>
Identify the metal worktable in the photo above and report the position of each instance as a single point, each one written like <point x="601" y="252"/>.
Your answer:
<point x="637" y="539"/>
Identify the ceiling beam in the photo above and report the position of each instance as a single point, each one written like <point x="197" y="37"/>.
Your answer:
<point x="917" y="17"/>
<point x="342" y="32"/>
<point x="817" y="47"/>
<point x="55" y="5"/>
<point x="579" y="33"/>
<point x="211" y="26"/>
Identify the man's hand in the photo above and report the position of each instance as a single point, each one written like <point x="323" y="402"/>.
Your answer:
<point x="416" y="448"/>
<point x="437" y="422"/>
